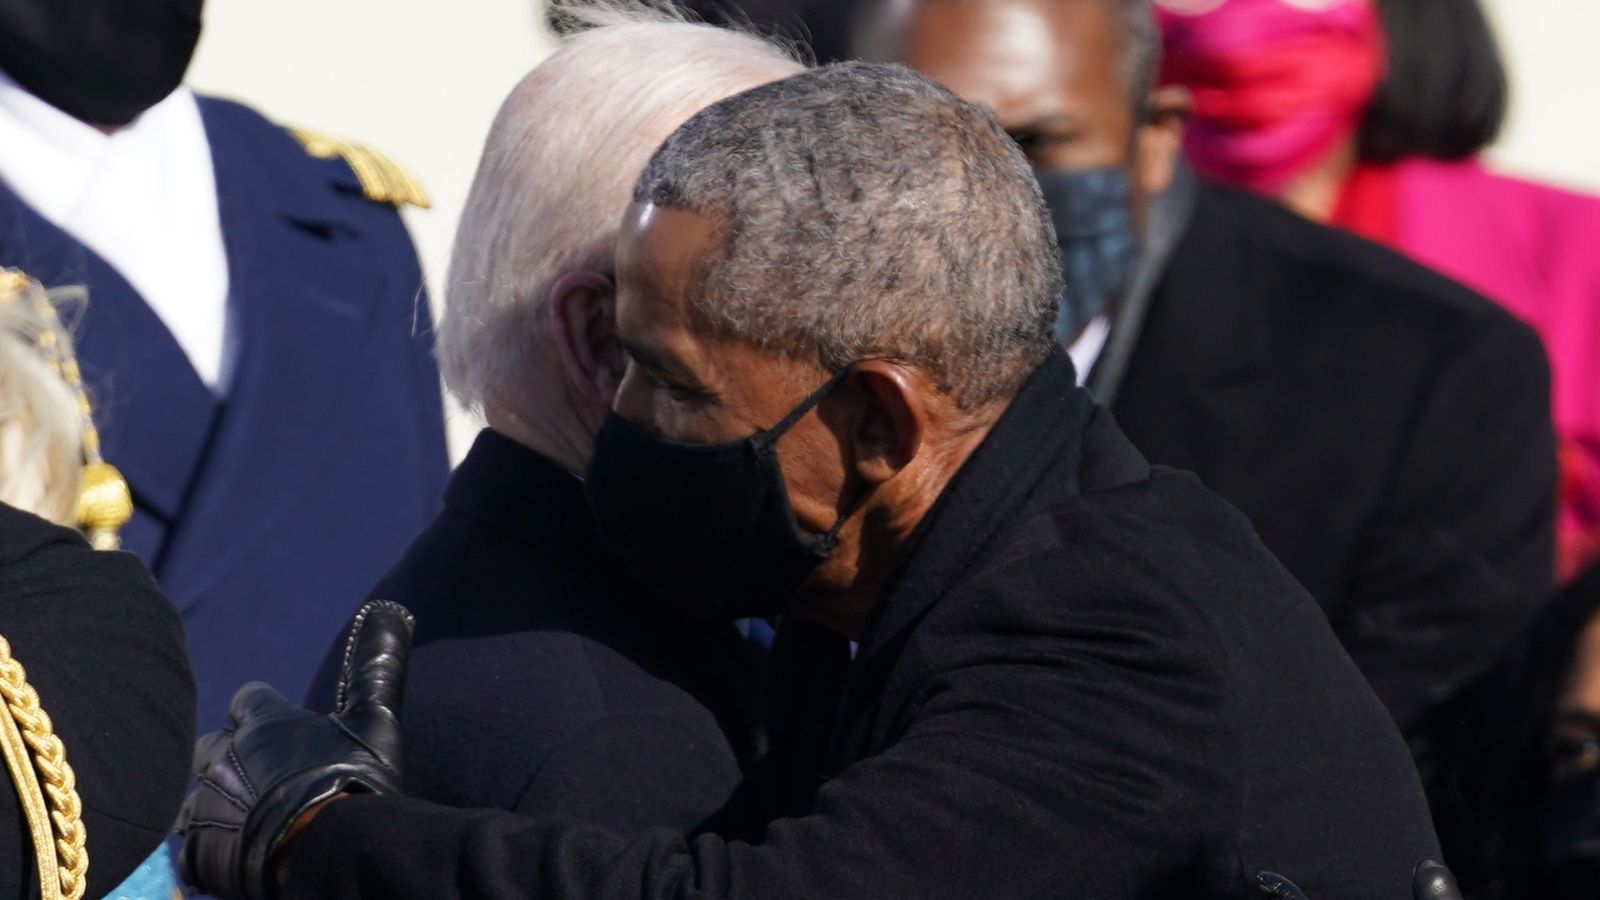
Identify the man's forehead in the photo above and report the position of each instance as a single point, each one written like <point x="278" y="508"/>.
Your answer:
<point x="661" y="255"/>
<point x="1026" y="59"/>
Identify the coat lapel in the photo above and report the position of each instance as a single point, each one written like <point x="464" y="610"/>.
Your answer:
<point x="302" y="320"/>
<point x="1033" y="451"/>
<point x="154" y="412"/>
<point x="1166" y="223"/>
<point x="1197" y="387"/>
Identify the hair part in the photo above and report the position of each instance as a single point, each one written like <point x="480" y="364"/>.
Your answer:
<point x="865" y="212"/>
<point x="1445" y="92"/>
<point x="558" y="168"/>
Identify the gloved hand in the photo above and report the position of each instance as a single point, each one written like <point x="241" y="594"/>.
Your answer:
<point x="1276" y="887"/>
<point x="1433" y="881"/>
<point x="274" y="760"/>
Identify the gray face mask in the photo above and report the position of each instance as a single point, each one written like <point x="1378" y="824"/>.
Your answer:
<point x="1093" y="214"/>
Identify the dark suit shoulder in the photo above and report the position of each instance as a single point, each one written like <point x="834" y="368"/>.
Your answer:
<point x="1164" y="538"/>
<point x="1362" y="277"/>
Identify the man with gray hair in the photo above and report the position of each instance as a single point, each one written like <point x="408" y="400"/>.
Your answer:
<point x="630" y="716"/>
<point x="1075" y="674"/>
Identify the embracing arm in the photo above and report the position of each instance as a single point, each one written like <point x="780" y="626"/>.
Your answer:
<point x="1026" y="777"/>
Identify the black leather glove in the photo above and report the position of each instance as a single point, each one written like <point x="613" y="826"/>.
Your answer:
<point x="1433" y="881"/>
<point x="1276" y="887"/>
<point x="274" y="760"/>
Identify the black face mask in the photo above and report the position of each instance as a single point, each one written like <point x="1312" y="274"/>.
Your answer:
<point x="708" y="526"/>
<point x="100" y="61"/>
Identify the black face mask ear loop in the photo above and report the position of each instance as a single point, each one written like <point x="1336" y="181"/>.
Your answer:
<point x="821" y="545"/>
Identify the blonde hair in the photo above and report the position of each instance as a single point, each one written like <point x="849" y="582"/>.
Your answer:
<point x="41" y="427"/>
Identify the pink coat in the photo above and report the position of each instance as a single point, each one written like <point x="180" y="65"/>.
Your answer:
<point x="1535" y="249"/>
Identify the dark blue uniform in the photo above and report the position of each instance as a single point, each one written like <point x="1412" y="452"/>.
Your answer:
<point x="266" y="513"/>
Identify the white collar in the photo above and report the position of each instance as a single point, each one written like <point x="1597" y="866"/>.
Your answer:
<point x="48" y="156"/>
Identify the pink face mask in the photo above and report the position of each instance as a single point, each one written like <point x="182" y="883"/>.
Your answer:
<point x="1277" y="84"/>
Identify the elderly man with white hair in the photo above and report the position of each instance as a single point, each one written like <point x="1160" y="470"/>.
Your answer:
<point x="627" y="715"/>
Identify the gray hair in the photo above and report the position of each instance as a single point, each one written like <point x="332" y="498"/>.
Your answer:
<point x="558" y="168"/>
<point x="866" y="212"/>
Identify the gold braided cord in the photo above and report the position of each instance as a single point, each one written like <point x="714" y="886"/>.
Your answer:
<point x="104" y="504"/>
<point x="31" y="796"/>
<point x="54" y="773"/>
<point x="382" y="179"/>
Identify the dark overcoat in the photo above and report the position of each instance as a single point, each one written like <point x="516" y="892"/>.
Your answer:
<point x="542" y="678"/>
<point x="1088" y="678"/>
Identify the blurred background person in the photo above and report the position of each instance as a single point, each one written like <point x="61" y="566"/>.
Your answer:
<point x="100" y="648"/>
<point x="1372" y="115"/>
<point x="257" y="341"/>
<point x="1385" y="429"/>
<point x="629" y="715"/>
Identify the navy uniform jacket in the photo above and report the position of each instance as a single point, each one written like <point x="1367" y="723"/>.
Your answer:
<point x="1088" y="679"/>
<point x="541" y="679"/>
<point x="265" y="514"/>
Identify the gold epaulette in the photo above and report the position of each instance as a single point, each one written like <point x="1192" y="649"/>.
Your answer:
<point x="382" y="179"/>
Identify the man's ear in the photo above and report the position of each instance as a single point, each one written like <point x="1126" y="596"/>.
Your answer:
<point x="583" y="321"/>
<point x="890" y="421"/>
<point x="1160" y="144"/>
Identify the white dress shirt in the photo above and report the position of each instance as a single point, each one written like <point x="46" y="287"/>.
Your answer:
<point x="1085" y="348"/>
<point x="144" y="198"/>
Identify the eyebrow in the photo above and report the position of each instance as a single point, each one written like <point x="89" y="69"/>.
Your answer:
<point x="665" y="368"/>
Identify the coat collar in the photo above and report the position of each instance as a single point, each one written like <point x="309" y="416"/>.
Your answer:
<point x="1167" y="221"/>
<point x="1230" y="338"/>
<point x="1033" y="451"/>
<point x="521" y="492"/>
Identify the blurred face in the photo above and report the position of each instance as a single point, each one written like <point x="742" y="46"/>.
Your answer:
<point x="1052" y="71"/>
<point x="700" y="390"/>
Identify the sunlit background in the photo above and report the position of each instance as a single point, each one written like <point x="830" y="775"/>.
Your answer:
<point x="421" y="79"/>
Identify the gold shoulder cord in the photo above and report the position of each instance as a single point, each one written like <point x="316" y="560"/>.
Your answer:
<point x="57" y="830"/>
<point x="382" y="179"/>
<point x="104" y="502"/>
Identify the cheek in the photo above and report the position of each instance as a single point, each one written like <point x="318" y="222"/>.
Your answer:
<point x="813" y="471"/>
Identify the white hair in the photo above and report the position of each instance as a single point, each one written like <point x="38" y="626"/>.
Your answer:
<point x="559" y="167"/>
<point x="41" y="426"/>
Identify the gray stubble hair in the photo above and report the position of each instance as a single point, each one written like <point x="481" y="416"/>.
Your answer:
<point x="865" y="212"/>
